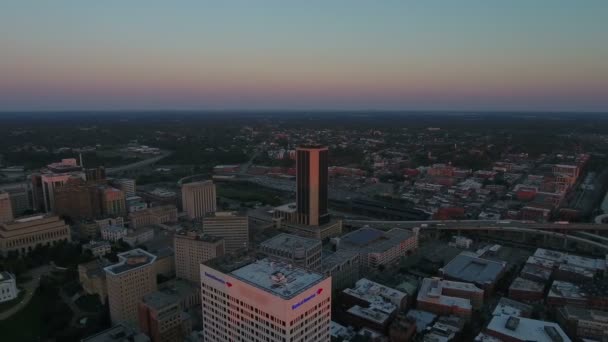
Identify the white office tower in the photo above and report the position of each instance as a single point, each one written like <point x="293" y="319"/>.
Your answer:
<point x="264" y="300"/>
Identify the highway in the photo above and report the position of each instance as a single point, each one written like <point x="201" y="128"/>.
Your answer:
<point x="137" y="165"/>
<point x="478" y="225"/>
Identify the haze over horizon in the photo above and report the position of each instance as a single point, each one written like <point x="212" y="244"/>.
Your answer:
<point x="470" y="55"/>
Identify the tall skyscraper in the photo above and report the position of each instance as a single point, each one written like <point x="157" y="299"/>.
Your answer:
<point x="191" y="249"/>
<point x="198" y="199"/>
<point x="6" y="209"/>
<point x="127" y="185"/>
<point x="264" y="300"/>
<point x="231" y="226"/>
<point x="311" y="184"/>
<point x="128" y="281"/>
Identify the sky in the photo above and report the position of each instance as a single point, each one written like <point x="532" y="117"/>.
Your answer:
<point x="495" y="55"/>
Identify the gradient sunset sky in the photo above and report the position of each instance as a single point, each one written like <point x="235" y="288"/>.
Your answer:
<point x="331" y="54"/>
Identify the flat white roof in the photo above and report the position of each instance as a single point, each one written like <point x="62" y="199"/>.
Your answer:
<point x="526" y="329"/>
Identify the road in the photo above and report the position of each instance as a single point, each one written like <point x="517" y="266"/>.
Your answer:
<point x="478" y="225"/>
<point x="30" y="288"/>
<point x="139" y="164"/>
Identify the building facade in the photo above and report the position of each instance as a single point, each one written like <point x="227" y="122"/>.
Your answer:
<point x="264" y="300"/>
<point x="198" y="199"/>
<point x="6" y="208"/>
<point x="193" y="248"/>
<point x="128" y="281"/>
<point x="8" y="287"/>
<point x="311" y="184"/>
<point x="22" y="235"/>
<point x="231" y="226"/>
<point x="127" y="185"/>
<point x="301" y="251"/>
<point x="154" y="215"/>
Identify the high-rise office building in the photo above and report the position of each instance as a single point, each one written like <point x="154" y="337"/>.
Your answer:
<point x="191" y="249"/>
<point x="112" y="201"/>
<point x="127" y="185"/>
<point x="6" y="208"/>
<point x="311" y="184"/>
<point x="198" y="199"/>
<point x="231" y="226"/>
<point x="264" y="300"/>
<point x="77" y="200"/>
<point x="95" y="174"/>
<point x="128" y="281"/>
<point x="53" y="176"/>
<point x="20" y="198"/>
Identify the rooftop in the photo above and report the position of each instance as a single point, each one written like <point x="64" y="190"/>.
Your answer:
<point x="573" y="260"/>
<point x="288" y="208"/>
<point x="197" y="235"/>
<point x="468" y="267"/>
<point x="279" y="278"/>
<point x="422" y="318"/>
<point x="565" y="290"/>
<point x="431" y="290"/>
<point x="378" y="296"/>
<point x="511" y="307"/>
<point x="526" y="329"/>
<point x="373" y="240"/>
<point x="117" y="333"/>
<point x="290" y="242"/>
<point x="572" y="312"/>
<point x="522" y="284"/>
<point x="4" y="276"/>
<point x="370" y="314"/>
<point x="131" y="260"/>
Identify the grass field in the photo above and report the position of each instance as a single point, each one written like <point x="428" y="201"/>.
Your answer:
<point x="24" y="326"/>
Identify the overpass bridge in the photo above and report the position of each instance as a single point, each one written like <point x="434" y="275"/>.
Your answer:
<point x="479" y="225"/>
<point x="584" y="234"/>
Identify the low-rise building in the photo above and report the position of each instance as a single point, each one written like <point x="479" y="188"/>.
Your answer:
<point x="526" y="290"/>
<point x="535" y="273"/>
<point x="432" y="298"/>
<point x="591" y="264"/>
<point x="138" y="236"/>
<point x="402" y="329"/>
<point x="8" y="287"/>
<point x="378" y="248"/>
<point x="151" y="216"/>
<point x="92" y="278"/>
<point x="367" y="293"/>
<point x="583" y="323"/>
<point x="98" y="248"/>
<point x="511" y="307"/>
<point x="564" y="293"/>
<point x="113" y="233"/>
<point x="520" y="329"/>
<point x="467" y="267"/>
<point x="301" y="251"/>
<point x="423" y="319"/>
<point x="372" y="318"/>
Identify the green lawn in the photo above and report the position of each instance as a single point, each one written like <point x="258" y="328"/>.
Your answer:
<point x="89" y="303"/>
<point x="25" y="324"/>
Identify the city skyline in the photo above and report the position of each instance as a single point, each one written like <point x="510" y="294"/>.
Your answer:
<point x="472" y="55"/>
